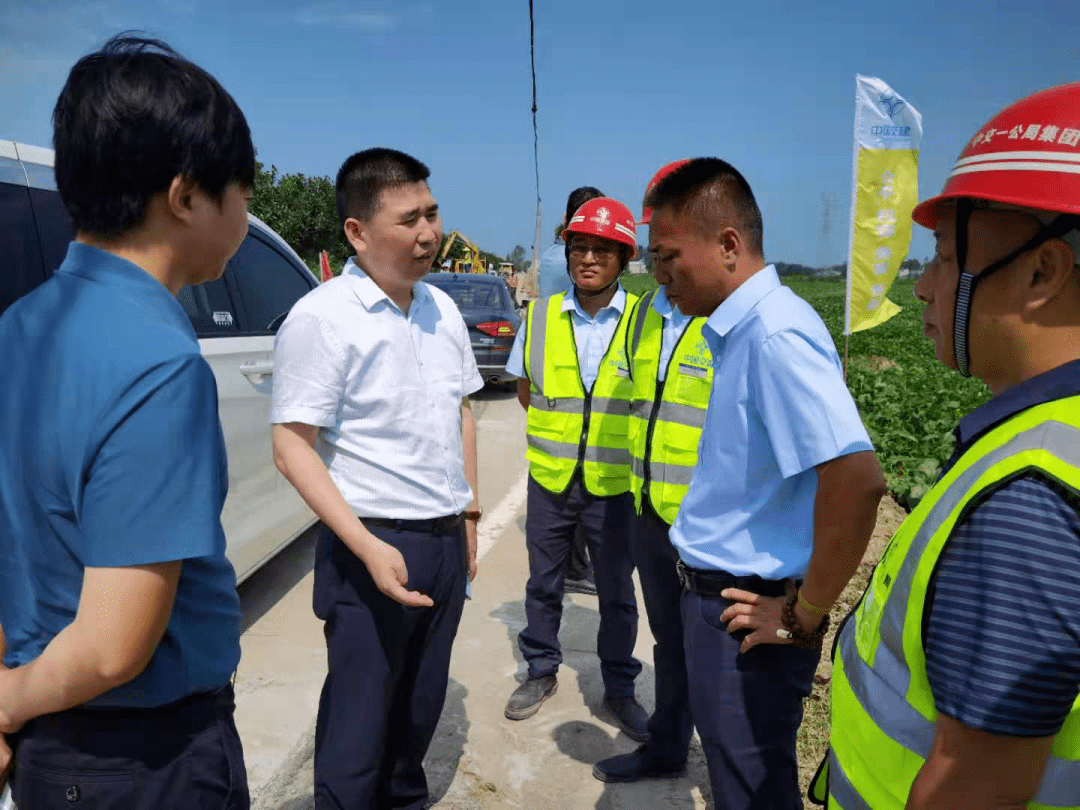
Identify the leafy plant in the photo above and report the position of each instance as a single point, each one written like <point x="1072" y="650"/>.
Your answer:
<point x="909" y="401"/>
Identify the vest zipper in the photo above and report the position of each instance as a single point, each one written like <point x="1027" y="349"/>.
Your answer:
<point x="647" y="478"/>
<point x="586" y="414"/>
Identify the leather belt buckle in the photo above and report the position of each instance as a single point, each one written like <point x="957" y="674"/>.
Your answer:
<point x="684" y="575"/>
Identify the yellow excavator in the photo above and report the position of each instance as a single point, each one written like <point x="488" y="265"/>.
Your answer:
<point x="471" y="263"/>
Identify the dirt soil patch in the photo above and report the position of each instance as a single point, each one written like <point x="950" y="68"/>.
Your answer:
<point x="813" y="737"/>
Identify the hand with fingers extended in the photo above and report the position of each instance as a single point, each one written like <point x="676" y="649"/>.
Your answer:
<point x="763" y="615"/>
<point x="387" y="569"/>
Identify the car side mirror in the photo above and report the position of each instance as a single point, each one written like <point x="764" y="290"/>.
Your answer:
<point x="277" y="322"/>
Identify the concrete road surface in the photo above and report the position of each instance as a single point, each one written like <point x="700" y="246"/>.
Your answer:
<point x="478" y="759"/>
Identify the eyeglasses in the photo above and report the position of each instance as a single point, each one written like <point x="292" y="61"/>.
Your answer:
<point x="601" y="252"/>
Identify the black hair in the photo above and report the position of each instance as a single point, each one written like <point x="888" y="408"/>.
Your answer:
<point x="713" y="195"/>
<point x="364" y="176"/>
<point x="578" y="197"/>
<point x="133" y="116"/>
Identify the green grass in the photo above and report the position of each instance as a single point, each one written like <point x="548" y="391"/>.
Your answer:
<point x="909" y="401"/>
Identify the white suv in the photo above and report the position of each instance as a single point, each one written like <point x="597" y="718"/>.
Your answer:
<point x="235" y="319"/>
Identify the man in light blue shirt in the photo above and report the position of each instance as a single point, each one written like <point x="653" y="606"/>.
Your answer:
<point x="675" y="324"/>
<point x="553" y="277"/>
<point x="591" y="333"/>
<point x="576" y="348"/>
<point x="785" y="491"/>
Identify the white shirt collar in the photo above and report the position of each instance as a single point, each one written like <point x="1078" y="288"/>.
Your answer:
<point x="371" y="293"/>
<point x="570" y="302"/>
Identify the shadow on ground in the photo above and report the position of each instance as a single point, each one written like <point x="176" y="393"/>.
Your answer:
<point x="268" y="585"/>
<point x="292" y="789"/>
<point x="590" y="741"/>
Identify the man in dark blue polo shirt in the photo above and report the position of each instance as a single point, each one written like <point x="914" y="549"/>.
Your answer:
<point x="119" y="617"/>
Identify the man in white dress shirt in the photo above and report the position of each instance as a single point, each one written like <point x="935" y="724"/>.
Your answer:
<point x="372" y="425"/>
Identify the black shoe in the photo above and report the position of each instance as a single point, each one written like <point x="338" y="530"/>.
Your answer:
<point x="526" y="700"/>
<point x="635" y="766"/>
<point x="586" y="586"/>
<point x="630" y="716"/>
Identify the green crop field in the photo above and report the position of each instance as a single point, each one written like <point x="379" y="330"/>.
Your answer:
<point x="909" y="401"/>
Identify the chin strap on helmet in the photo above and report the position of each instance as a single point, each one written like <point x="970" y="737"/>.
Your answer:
<point x="967" y="282"/>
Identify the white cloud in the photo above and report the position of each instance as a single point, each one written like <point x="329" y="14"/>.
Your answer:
<point x="345" y="15"/>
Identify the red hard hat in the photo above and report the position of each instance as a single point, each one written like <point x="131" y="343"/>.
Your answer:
<point x="1027" y="155"/>
<point x="646" y="212"/>
<point x="605" y="217"/>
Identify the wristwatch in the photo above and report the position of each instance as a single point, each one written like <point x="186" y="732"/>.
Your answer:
<point x="473" y="514"/>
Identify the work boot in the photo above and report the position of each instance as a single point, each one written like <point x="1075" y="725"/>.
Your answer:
<point x="585" y="585"/>
<point x="630" y="717"/>
<point x="526" y="700"/>
<point x="638" y="765"/>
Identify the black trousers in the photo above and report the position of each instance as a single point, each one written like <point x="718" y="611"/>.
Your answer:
<point x="578" y="566"/>
<point x="388" y="667"/>
<point x="747" y="706"/>
<point x="177" y="757"/>
<point x="670" y="726"/>
<point x="550" y="524"/>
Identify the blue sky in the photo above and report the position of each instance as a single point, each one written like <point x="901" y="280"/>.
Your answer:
<point x="623" y="89"/>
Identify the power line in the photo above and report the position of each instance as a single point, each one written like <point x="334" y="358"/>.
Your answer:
<point x="536" y="131"/>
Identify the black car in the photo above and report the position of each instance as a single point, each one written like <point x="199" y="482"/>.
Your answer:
<point x="488" y="308"/>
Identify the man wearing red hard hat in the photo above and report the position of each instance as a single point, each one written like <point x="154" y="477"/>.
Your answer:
<point x="571" y="359"/>
<point x="957" y="681"/>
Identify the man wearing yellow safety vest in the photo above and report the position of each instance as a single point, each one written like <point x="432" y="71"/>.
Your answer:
<point x="671" y="369"/>
<point x="575" y="383"/>
<point x="957" y="680"/>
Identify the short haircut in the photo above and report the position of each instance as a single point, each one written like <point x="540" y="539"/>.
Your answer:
<point x="712" y="194"/>
<point x="578" y="197"/>
<point x="362" y="179"/>
<point x="133" y="116"/>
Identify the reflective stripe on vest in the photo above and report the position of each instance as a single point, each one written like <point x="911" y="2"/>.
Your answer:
<point x="883" y="712"/>
<point x="666" y="418"/>
<point x="559" y="407"/>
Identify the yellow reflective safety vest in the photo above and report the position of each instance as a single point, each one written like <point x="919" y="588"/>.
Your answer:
<point x="666" y="417"/>
<point x="570" y="427"/>
<point x="883" y="713"/>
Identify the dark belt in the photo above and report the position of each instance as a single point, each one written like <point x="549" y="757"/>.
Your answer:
<point x="710" y="583"/>
<point x="192" y="713"/>
<point x="442" y="525"/>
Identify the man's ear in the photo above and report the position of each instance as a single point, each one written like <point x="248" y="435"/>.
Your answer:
<point x="356" y="233"/>
<point x="180" y="198"/>
<point x="731" y="245"/>
<point x="1052" y="271"/>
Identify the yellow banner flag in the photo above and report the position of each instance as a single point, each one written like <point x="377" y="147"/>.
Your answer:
<point x="885" y="188"/>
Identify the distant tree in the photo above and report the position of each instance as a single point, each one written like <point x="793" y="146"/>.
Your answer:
<point x="491" y="258"/>
<point x="303" y="210"/>
<point x="517" y="258"/>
